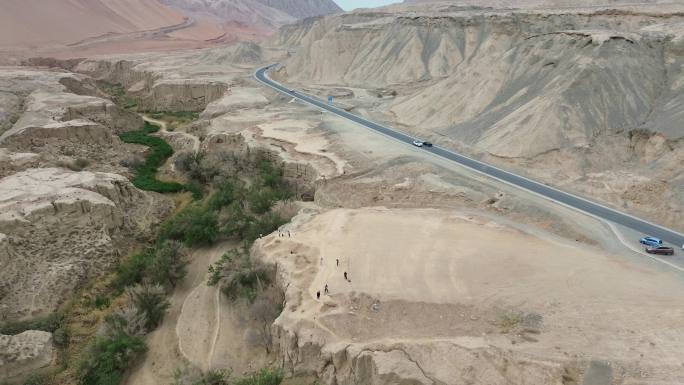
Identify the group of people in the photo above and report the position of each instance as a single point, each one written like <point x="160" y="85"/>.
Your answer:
<point x="325" y="289"/>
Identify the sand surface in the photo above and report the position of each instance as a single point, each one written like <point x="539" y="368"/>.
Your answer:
<point x="201" y="330"/>
<point x="446" y="275"/>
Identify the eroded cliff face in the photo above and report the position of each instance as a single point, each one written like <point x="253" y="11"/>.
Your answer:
<point x="556" y="94"/>
<point x="61" y="228"/>
<point x="409" y="362"/>
<point x="151" y="91"/>
<point x="178" y="82"/>
<point x="491" y="80"/>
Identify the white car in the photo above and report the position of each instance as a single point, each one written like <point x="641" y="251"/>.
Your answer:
<point x="418" y="143"/>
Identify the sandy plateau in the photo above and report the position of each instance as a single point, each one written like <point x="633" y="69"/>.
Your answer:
<point x="439" y="296"/>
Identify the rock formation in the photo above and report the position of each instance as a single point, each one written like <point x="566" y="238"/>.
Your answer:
<point x="52" y="112"/>
<point x="62" y="228"/>
<point x="24" y="354"/>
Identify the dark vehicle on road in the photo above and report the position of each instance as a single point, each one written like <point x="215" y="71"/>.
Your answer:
<point x="427" y="144"/>
<point x="662" y="250"/>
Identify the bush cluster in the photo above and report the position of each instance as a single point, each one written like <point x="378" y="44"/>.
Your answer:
<point x="217" y="377"/>
<point x="165" y="265"/>
<point x="234" y="210"/>
<point x="120" y="343"/>
<point x="108" y="359"/>
<point x="160" y="151"/>
<point x="145" y="178"/>
<point x="262" y="377"/>
<point x="195" y="225"/>
<point x="239" y="276"/>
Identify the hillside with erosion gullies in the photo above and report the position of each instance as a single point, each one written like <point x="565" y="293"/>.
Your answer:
<point x="35" y="23"/>
<point x="166" y="218"/>
<point x="588" y="99"/>
<point x="67" y="29"/>
<point x="267" y="15"/>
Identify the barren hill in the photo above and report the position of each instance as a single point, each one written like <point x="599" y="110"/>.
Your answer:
<point x="267" y="15"/>
<point x="84" y="28"/>
<point x="536" y="3"/>
<point x="301" y="9"/>
<point x="27" y="23"/>
<point x="588" y="98"/>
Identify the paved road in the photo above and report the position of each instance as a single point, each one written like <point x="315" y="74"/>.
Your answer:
<point x="551" y="193"/>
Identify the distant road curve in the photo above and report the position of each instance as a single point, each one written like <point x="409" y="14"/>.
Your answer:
<point x="558" y="196"/>
<point x="109" y="37"/>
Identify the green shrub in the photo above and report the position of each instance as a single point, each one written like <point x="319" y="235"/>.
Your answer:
<point x="269" y="175"/>
<point x="195" y="189"/>
<point x="261" y="199"/>
<point x="216" y="270"/>
<point x="102" y="302"/>
<point x="225" y="194"/>
<point x="150" y="302"/>
<point x="108" y="359"/>
<point x="194" y="225"/>
<point x="169" y="265"/>
<point x="214" y="377"/>
<point x="195" y="377"/>
<point x="49" y="323"/>
<point x="266" y="224"/>
<point x="240" y="278"/>
<point x="262" y="377"/>
<point x="199" y="167"/>
<point x="132" y="271"/>
<point x="236" y="220"/>
<point x="160" y="151"/>
<point x="165" y="265"/>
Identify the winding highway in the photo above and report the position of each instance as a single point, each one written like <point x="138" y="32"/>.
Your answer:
<point x="553" y="194"/>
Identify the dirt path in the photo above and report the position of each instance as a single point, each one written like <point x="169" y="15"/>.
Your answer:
<point x="189" y="325"/>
